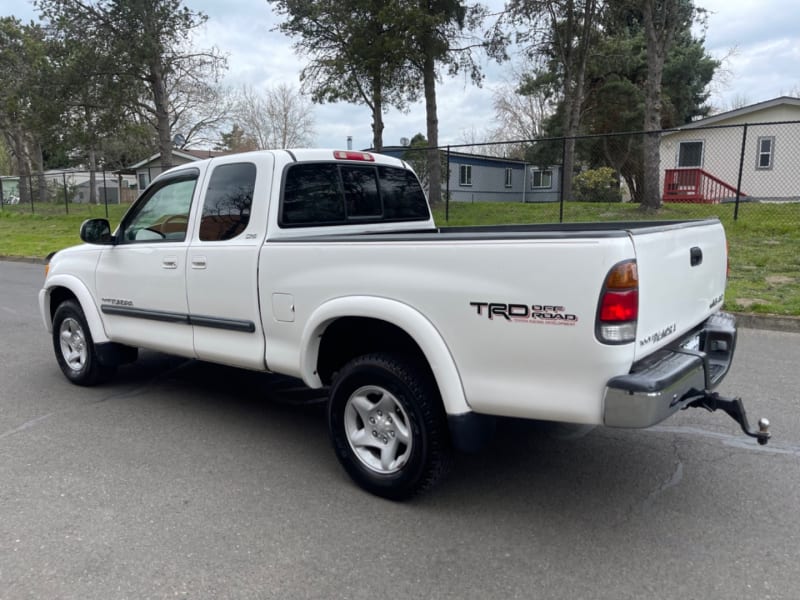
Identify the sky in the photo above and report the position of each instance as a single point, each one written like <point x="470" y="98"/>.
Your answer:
<point x="758" y="41"/>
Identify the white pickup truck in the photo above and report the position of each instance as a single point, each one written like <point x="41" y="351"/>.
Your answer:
<point x="327" y="265"/>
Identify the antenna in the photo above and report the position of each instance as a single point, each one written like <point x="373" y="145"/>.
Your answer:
<point x="178" y="140"/>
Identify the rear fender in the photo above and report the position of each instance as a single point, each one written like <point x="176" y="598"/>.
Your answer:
<point x="419" y="328"/>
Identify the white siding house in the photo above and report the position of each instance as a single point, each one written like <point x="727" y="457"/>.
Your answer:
<point x="148" y="169"/>
<point x="702" y="161"/>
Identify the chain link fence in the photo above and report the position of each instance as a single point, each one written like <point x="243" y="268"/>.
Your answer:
<point x="735" y="172"/>
<point x="66" y="192"/>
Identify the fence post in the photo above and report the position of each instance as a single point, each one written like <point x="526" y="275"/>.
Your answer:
<point x="1" y="194"/>
<point x="30" y="191"/>
<point x="741" y="168"/>
<point x="561" y="191"/>
<point x="447" y="188"/>
<point x="66" y="200"/>
<point x="105" y="191"/>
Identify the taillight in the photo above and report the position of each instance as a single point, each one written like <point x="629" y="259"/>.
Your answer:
<point x="618" y="309"/>
<point x="352" y="155"/>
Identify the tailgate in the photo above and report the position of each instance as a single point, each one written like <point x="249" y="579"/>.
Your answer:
<point x="682" y="275"/>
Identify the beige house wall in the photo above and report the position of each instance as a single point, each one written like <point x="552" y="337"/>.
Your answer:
<point x="722" y="149"/>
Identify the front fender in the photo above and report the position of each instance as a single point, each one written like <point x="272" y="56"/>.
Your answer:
<point x="81" y="292"/>
<point x="414" y="323"/>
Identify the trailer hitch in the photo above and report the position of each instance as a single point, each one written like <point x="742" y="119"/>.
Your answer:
<point x="712" y="401"/>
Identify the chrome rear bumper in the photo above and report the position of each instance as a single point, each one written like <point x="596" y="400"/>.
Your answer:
<point x="672" y="378"/>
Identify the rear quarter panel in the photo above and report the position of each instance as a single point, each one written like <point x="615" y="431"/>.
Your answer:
<point x="527" y="367"/>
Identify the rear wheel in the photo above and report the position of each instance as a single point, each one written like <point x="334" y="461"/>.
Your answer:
<point x="388" y="426"/>
<point x="74" y="347"/>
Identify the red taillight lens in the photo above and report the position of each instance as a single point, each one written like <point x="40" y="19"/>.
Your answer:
<point x="619" y="306"/>
<point x="618" y="311"/>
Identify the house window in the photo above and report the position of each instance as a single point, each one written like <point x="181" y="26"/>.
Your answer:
<point x="143" y="181"/>
<point x="766" y="148"/>
<point x="508" y="177"/>
<point x="465" y="175"/>
<point x="541" y="179"/>
<point x="690" y="154"/>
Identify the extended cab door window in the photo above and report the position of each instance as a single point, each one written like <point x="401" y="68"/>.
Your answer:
<point x="163" y="214"/>
<point x="228" y="201"/>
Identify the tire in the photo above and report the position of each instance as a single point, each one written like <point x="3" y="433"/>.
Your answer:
<point x="74" y="347"/>
<point x="388" y="426"/>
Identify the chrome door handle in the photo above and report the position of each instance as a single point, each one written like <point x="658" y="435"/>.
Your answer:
<point x="198" y="262"/>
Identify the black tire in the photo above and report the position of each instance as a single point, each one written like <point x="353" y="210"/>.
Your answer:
<point x="384" y="380"/>
<point x="75" y="353"/>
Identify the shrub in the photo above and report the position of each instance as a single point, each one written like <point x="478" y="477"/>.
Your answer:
<point x="596" y="185"/>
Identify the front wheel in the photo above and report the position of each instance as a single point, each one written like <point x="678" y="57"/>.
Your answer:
<point x="388" y="426"/>
<point x="74" y="347"/>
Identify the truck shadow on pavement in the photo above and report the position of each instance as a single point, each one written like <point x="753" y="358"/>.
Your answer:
<point x="527" y="467"/>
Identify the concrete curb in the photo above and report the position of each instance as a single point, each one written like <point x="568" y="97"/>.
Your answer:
<point x="770" y="322"/>
<point x="25" y="259"/>
<point x="746" y="320"/>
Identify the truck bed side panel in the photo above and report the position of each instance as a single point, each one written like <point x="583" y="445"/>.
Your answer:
<point x="517" y="315"/>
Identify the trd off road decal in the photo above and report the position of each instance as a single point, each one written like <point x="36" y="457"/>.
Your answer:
<point x="548" y="314"/>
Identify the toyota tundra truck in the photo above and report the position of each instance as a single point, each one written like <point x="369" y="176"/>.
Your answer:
<point x="327" y="266"/>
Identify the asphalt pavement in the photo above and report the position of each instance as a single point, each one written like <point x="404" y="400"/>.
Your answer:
<point x="181" y="479"/>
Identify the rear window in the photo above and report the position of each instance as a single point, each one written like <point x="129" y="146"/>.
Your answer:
<point x="332" y="193"/>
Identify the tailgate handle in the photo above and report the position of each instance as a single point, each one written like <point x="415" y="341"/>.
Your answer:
<point x="695" y="256"/>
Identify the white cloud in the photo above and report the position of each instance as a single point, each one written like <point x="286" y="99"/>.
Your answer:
<point x="765" y="33"/>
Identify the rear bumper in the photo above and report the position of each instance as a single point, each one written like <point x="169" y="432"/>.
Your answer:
<point x="671" y="378"/>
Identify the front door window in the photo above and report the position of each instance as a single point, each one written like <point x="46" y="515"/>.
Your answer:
<point x="162" y="215"/>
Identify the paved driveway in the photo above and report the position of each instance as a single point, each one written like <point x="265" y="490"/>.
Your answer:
<point x="187" y="480"/>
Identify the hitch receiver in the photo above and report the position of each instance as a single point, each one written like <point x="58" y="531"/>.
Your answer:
<point x="712" y="401"/>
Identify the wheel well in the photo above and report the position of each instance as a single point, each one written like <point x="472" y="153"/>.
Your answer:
<point x="349" y="337"/>
<point x="59" y="295"/>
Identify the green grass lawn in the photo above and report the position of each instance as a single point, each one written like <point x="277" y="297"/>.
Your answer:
<point x="764" y="241"/>
<point x="48" y="229"/>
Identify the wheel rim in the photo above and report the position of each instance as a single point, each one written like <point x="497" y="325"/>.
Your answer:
<point x="73" y="344"/>
<point x="378" y="429"/>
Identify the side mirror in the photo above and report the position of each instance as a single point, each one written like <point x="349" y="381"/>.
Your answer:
<point x="96" y="231"/>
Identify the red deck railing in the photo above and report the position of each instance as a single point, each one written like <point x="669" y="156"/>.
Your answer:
<point x="697" y="186"/>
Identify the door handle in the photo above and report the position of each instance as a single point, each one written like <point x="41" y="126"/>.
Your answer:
<point x="695" y="256"/>
<point x="198" y="262"/>
<point x="169" y="262"/>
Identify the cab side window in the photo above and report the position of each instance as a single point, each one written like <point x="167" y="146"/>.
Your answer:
<point x="228" y="201"/>
<point x="163" y="215"/>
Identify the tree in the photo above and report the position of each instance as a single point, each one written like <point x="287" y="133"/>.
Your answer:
<point x="153" y="60"/>
<point x="281" y="117"/>
<point x="236" y="140"/>
<point x="434" y="35"/>
<point x="418" y="157"/>
<point x="520" y="117"/>
<point x="614" y="93"/>
<point x="25" y="102"/>
<point x="662" y="19"/>
<point x="355" y="53"/>
<point x="562" y="32"/>
<point x="92" y="104"/>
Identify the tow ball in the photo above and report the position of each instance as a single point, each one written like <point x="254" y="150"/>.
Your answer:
<point x="712" y="401"/>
